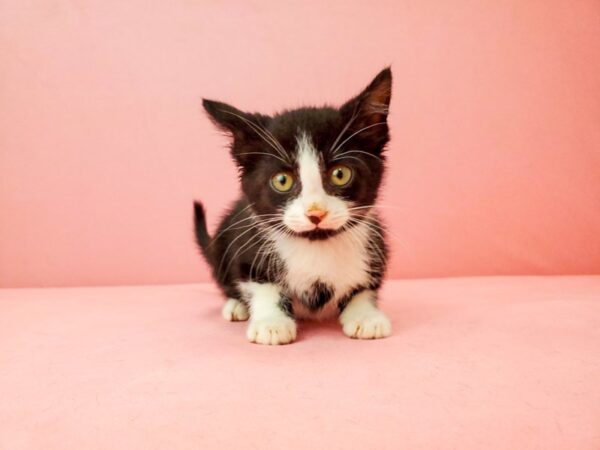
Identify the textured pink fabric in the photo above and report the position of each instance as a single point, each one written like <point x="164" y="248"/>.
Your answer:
<point x="489" y="363"/>
<point x="494" y="159"/>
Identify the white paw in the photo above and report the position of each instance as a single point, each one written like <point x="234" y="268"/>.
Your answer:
<point x="275" y="330"/>
<point x="234" y="310"/>
<point x="371" y="324"/>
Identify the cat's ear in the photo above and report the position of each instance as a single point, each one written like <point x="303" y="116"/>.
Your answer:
<point x="371" y="106"/>
<point x="242" y="126"/>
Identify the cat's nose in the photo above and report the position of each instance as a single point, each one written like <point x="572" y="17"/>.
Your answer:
<point x="316" y="215"/>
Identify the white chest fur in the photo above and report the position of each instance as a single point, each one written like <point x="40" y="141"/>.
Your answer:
<point x="341" y="261"/>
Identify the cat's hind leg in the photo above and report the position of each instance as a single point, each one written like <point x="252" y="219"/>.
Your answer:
<point x="235" y="310"/>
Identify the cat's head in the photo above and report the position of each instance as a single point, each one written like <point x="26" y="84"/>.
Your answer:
<point x="312" y="172"/>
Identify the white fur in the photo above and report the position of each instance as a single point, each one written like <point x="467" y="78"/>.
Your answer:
<point x="313" y="194"/>
<point x="362" y="320"/>
<point x="234" y="310"/>
<point x="268" y="323"/>
<point x="340" y="261"/>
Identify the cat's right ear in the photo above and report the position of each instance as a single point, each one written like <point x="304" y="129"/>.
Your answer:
<point x="371" y="106"/>
<point x="241" y="125"/>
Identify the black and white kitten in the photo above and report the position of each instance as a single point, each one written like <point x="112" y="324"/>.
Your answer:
<point x="303" y="240"/>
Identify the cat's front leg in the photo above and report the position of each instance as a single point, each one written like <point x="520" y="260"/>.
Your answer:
<point x="271" y="321"/>
<point x="361" y="319"/>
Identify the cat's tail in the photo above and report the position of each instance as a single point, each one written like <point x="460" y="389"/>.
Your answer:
<point x="202" y="237"/>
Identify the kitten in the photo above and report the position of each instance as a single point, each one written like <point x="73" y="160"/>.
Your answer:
<point x="303" y="240"/>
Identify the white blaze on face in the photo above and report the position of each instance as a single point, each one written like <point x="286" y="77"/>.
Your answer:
<point x="313" y="195"/>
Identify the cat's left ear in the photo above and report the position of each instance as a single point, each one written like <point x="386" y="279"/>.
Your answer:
<point x="371" y="106"/>
<point x="241" y="125"/>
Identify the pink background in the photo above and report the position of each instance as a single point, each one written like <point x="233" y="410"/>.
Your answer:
<point x="499" y="363"/>
<point x="494" y="162"/>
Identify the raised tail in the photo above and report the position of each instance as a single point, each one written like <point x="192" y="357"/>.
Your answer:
<point x="202" y="237"/>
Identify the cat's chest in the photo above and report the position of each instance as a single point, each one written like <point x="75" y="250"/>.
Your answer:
<point x="340" y="262"/>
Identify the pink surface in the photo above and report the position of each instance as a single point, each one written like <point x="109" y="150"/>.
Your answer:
<point x="494" y="159"/>
<point x="488" y="363"/>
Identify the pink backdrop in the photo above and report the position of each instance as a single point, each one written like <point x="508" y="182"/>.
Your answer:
<point x="495" y="157"/>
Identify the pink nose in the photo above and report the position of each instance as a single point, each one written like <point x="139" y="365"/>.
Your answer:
<point x="316" y="215"/>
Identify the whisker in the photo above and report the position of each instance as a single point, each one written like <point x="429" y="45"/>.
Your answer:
<point x="254" y="260"/>
<point x="355" y="133"/>
<point x="246" y="245"/>
<point x="252" y="217"/>
<point x="264" y="134"/>
<point x="369" y="239"/>
<point x="237" y="215"/>
<point x="358" y="233"/>
<point x="266" y="253"/>
<point x="260" y="253"/>
<point x="383" y="232"/>
<point x="274" y="139"/>
<point x="260" y="234"/>
<point x="255" y="224"/>
<point x="337" y="139"/>
<point x="358" y="151"/>
<point x="230" y="244"/>
<point x="343" y="156"/>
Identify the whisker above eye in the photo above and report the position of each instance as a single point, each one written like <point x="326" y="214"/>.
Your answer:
<point x="344" y="157"/>
<point x="355" y="133"/>
<point x="347" y="152"/>
<point x="264" y="134"/>
<point x="337" y="139"/>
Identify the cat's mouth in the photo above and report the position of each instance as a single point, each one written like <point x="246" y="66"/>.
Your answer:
<point x="319" y="234"/>
<point x="317" y="231"/>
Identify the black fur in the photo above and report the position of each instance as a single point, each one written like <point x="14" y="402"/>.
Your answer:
<point x="285" y="304"/>
<point x="234" y="252"/>
<point x="202" y="236"/>
<point x="318" y="296"/>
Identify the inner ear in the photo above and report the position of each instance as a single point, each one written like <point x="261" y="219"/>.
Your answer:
<point x="371" y="106"/>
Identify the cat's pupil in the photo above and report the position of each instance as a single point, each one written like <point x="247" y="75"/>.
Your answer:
<point x="338" y="174"/>
<point x="282" y="179"/>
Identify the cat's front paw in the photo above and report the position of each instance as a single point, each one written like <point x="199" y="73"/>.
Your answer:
<point x="276" y="330"/>
<point x="370" y="324"/>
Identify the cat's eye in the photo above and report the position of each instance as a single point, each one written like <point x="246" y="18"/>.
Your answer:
<point x="341" y="175"/>
<point x="282" y="181"/>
